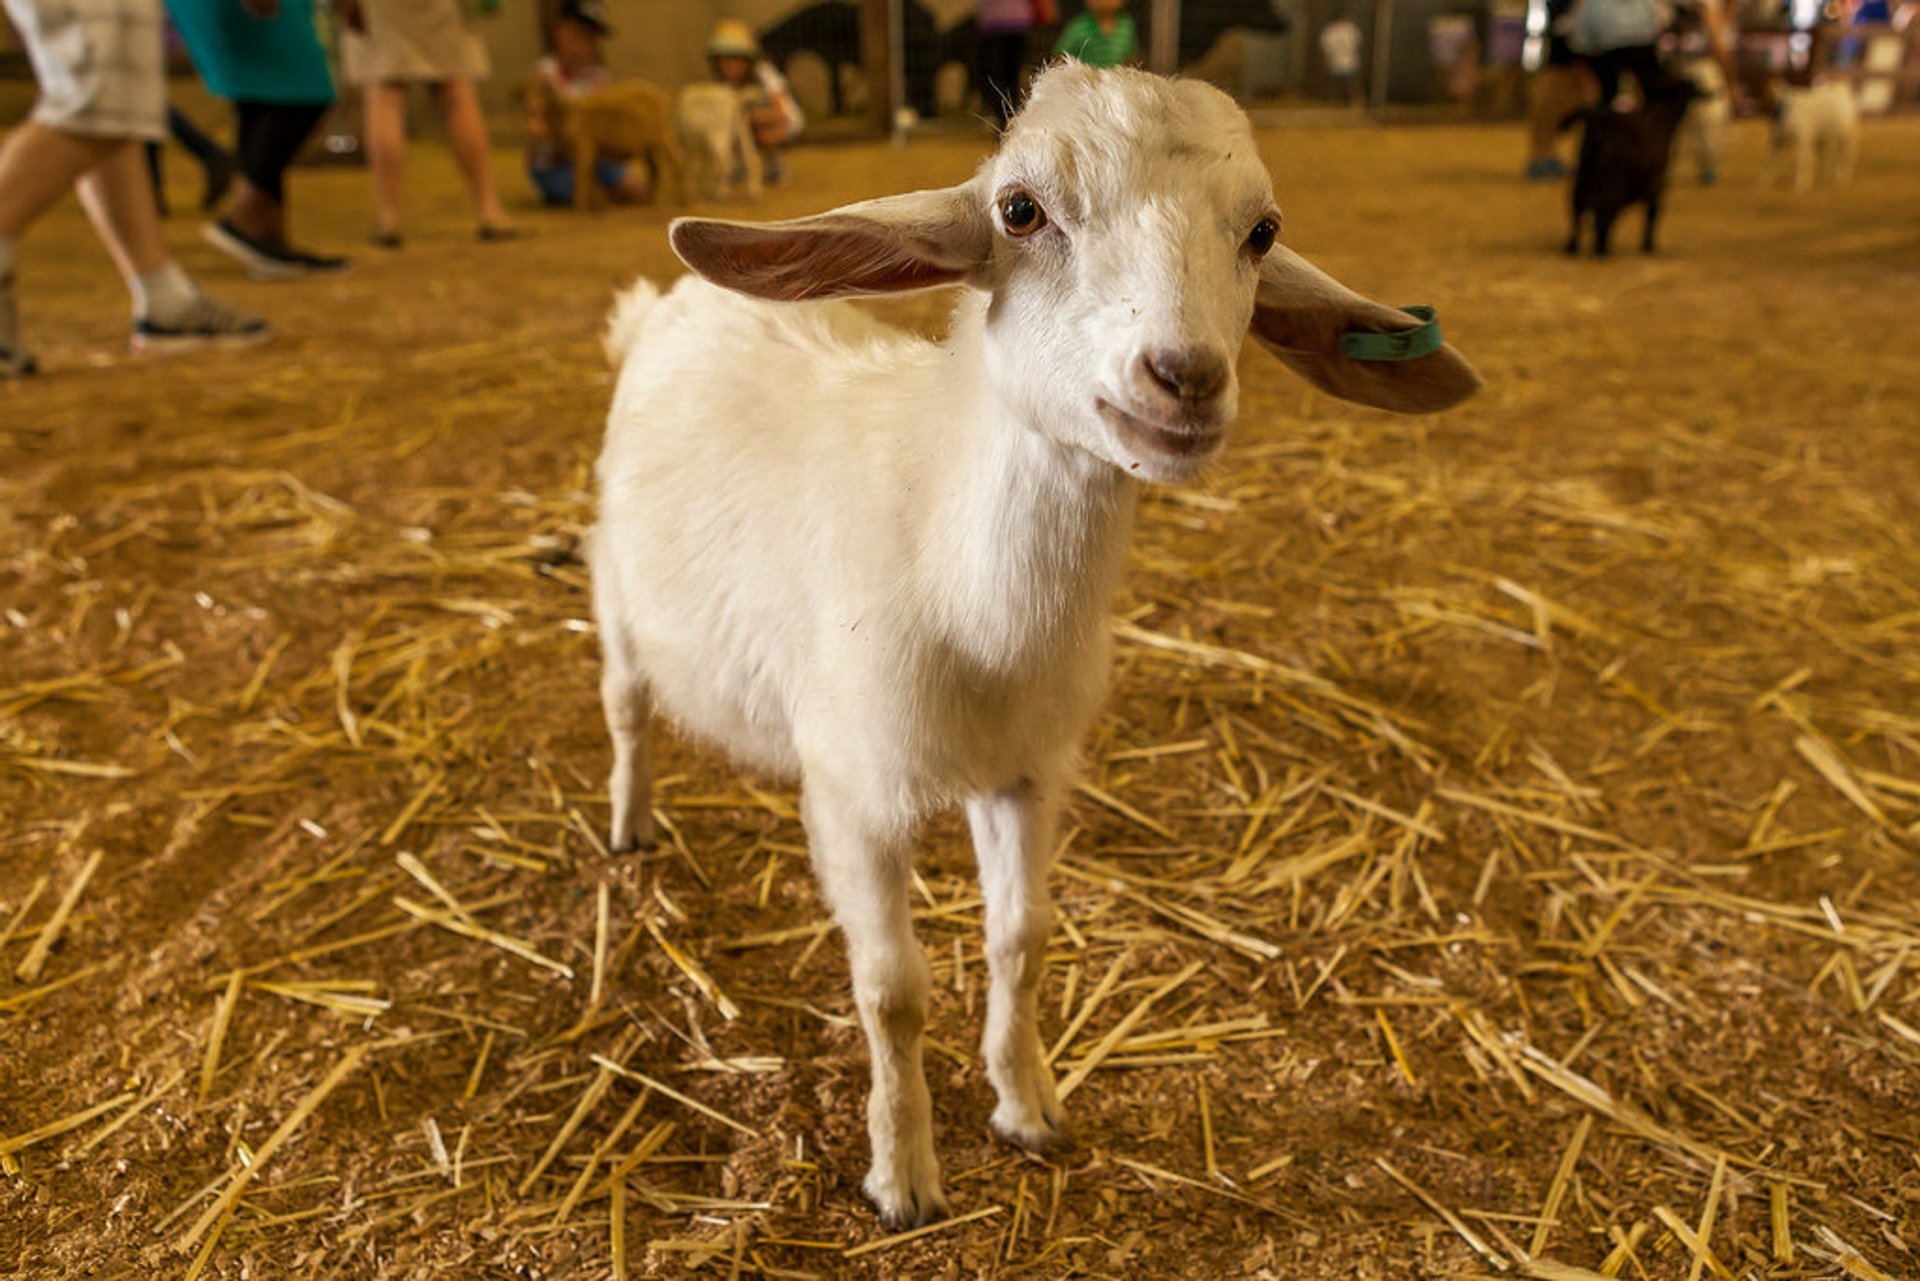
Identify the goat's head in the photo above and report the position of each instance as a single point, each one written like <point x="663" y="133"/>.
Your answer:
<point x="1128" y="234"/>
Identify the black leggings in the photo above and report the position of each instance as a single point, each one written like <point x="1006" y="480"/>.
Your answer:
<point x="270" y="136"/>
<point x="1640" y="61"/>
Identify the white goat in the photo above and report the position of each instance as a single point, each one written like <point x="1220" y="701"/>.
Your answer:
<point x="718" y="139"/>
<point x="1816" y="134"/>
<point x="886" y="565"/>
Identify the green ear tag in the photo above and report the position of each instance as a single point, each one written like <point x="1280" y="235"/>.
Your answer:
<point x="1403" y="344"/>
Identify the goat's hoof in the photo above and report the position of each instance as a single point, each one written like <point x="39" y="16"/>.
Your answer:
<point x="619" y="842"/>
<point x="902" y="1206"/>
<point x="1046" y="1139"/>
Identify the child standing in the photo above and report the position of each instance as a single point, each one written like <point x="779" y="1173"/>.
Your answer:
<point x="1103" y="36"/>
<point x="734" y="54"/>
<point x="574" y="68"/>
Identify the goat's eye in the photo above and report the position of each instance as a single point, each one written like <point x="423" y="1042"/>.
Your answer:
<point x="1260" y="239"/>
<point x="1020" y="213"/>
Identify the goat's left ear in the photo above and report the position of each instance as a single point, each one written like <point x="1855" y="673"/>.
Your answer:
<point x="1329" y="335"/>
<point x="891" y="245"/>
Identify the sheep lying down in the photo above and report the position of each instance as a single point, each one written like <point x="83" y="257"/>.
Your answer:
<point x="885" y="566"/>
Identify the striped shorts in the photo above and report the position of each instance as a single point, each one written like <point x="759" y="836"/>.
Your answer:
<point x="101" y="65"/>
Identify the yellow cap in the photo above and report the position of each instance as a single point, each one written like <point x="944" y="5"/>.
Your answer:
<point x="732" y="39"/>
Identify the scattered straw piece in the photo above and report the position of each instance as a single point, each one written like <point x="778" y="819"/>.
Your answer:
<point x="1781" y="1222"/>
<point x="140" y="1105"/>
<point x="53" y="1128"/>
<point x="26" y="905"/>
<point x="1704" y="1232"/>
<point x="1691" y="1240"/>
<point x="1557" y="1190"/>
<point x="692" y="969"/>
<point x="36" y="957"/>
<point x="224" y="1204"/>
<point x="676" y="1096"/>
<point x="1113" y="1038"/>
<point x="1393" y="1044"/>
<point x="1474" y="1240"/>
<point x="505" y="942"/>
<point x="589" y="1099"/>
<point x="222" y="1016"/>
<point x="1837" y="772"/>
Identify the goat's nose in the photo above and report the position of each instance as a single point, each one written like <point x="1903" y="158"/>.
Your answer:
<point x="1188" y="374"/>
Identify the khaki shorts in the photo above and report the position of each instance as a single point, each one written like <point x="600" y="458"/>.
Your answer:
<point x="101" y="65"/>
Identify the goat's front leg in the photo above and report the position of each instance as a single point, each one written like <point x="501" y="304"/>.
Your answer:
<point x="1013" y="832"/>
<point x="865" y="876"/>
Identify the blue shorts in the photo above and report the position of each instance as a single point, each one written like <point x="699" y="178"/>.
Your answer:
<point x="556" y="182"/>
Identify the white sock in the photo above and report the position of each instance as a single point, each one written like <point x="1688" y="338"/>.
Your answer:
<point x="163" y="293"/>
<point x="6" y="256"/>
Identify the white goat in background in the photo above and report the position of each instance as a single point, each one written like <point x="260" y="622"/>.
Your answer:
<point x="1816" y="134"/>
<point x="717" y="138"/>
<point x="886" y="565"/>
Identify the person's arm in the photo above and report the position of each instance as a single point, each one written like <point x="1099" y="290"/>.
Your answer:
<point x="780" y="95"/>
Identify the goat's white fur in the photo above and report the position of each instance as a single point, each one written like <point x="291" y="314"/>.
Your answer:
<point x="1816" y="134"/>
<point x="886" y="564"/>
<point x="718" y="139"/>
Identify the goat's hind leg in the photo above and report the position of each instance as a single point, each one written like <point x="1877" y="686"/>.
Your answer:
<point x="628" y="706"/>
<point x="865" y="875"/>
<point x="629" y="710"/>
<point x="1013" y="843"/>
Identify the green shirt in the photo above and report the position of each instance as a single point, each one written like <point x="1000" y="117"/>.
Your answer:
<point x="1082" y="38"/>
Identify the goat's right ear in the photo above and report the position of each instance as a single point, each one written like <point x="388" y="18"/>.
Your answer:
<point x="891" y="245"/>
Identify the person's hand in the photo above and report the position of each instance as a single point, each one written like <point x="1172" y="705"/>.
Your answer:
<point x="351" y="14"/>
<point x="262" y="10"/>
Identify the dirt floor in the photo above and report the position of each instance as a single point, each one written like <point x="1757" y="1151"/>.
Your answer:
<point x="1500" y="854"/>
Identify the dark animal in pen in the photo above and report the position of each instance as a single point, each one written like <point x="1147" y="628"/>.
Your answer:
<point x="831" y="31"/>
<point x="1623" y="161"/>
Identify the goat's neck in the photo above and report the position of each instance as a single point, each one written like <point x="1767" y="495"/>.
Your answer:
<point x="1023" y="548"/>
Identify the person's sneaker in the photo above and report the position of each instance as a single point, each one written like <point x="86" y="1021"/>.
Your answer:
<point x="15" y="360"/>
<point x="263" y="259"/>
<point x="205" y="323"/>
<point x="324" y="264"/>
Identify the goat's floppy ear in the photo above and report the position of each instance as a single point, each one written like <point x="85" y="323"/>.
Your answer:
<point x="891" y="245"/>
<point x="1327" y="334"/>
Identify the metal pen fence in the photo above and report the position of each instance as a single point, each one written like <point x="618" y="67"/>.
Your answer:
<point x="1379" y="59"/>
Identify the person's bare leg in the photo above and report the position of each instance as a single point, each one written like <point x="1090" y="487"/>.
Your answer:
<point x="38" y="165"/>
<point x="386" y="106"/>
<point x="467" y="131"/>
<point x="119" y="200"/>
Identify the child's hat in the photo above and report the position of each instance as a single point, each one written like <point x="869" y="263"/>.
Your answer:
<point x="732" y="38"/>
<point x="588" y="13"/>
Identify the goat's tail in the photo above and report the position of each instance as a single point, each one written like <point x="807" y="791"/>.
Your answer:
<point x="629" y="312"/>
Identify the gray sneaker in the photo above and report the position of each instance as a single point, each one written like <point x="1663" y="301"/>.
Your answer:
<point x="15" y="361"/>
<point x="204" y="324"/>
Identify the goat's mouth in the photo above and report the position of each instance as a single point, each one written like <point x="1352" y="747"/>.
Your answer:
<point x="1187" y="441"/>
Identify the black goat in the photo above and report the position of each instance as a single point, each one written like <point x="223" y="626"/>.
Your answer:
<point x="1623" y="160"/>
